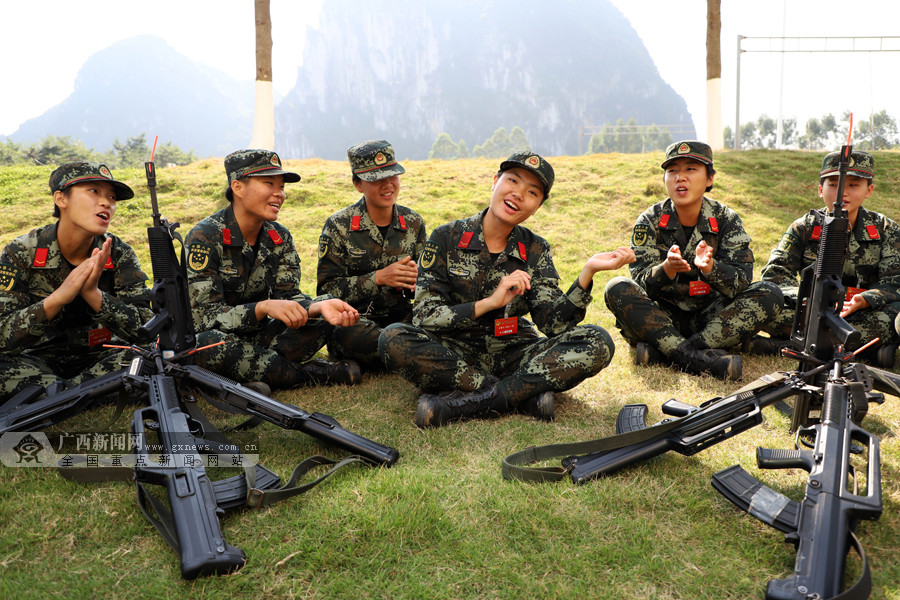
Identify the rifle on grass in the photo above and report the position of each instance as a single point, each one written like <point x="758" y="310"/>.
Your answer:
<point x="190" y="523"/>
<point x="840" y="389"/>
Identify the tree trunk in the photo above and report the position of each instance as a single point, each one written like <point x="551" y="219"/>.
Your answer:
<point x="714" y="134"/>
<point x="264" y="118"/>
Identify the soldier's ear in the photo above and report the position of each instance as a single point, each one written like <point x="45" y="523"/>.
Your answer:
<point x="60" y="199"/>
<point x="358" y="184"/>
<point x="237" y="187"/>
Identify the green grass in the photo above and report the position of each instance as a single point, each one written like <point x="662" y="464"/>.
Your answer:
<point x="442" y="523"/>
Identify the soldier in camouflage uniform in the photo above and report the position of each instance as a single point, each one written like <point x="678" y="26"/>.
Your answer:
<point x="244" y="281"/>
<point x="871" y="270"/>
<point x="691" y="294"/>
<point x="368" y="253"/>
<point x="70" y="287"/>
<point x="469" y="348"/>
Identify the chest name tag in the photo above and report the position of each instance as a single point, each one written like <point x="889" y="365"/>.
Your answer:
<point x="507" y="326"/>
<point x="101" y="335"/>
<point x="699" y="288"/>
<point x="852" y="291"/>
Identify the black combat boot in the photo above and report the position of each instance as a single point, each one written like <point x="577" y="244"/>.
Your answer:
<point x="260" y="387"/>
<point x="542" y="406"/>
<point x="697" y="361"/>
<point x="765" y="346"/>
<point x="435" y="410"/>
<point x="646" y="353"/>
<point x="325" y="372"/>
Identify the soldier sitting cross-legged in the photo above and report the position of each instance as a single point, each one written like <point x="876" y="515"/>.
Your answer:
<point x="244" y="279"/>
<point x="469" y="348"/>
<point x="68" y="288"/>
<point x="691" y="299"/>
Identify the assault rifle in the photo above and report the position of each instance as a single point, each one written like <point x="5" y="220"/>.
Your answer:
<point x="826" y="382"/>
<point x="165" y="374"/>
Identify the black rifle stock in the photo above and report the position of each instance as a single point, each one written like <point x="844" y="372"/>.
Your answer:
<point x="198" y="537"/>
<point x="191" y="526"/>
<point x="822" y="525"/>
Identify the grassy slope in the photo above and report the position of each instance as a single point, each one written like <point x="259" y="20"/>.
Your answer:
<point x="442" y="523"/>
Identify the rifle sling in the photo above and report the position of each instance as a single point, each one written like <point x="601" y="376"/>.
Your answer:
<point x="256" y="497"/>
<point x="513" y="466"/>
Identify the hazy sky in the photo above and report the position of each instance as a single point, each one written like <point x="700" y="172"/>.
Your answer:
<point x="45" y="43"/>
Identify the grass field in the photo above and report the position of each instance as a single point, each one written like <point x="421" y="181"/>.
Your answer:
<point x="442" y="523"/>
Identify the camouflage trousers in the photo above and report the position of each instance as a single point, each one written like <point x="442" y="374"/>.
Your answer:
<point x="268" y="355"/>
<point x="21" y="370"/>
<point x="360" y="342"/>
<point x="521" y="366"/>
<point x="871" y="323"/>
<point x="723" y="323"/>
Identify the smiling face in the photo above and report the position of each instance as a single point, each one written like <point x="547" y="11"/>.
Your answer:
<point x="686" y="181"/>
<point x="856" y="190"/>
<point x="258" y="198"/>
<point x="516" y="195"/>
<point x="380" y="194"/>
<point x="88" y="206"/>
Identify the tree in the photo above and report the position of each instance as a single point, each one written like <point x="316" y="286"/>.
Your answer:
<point x="132" y="153"/>
<point x="53" y="150"/>
<point x="11" y="153"/>
<point x="170" y="154"/>
<point x="264" y="116"/>
<point x="444" y="148"/>
<point x="878" y="134"/>
<point x="518" y="141"/>
<point x="463" y="150"/>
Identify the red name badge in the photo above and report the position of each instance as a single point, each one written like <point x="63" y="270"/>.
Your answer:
<point x="506" y="326"/>
<point x="699" y="288"/>
<point x="101" y="335"/>
<point x="852" y="291"/>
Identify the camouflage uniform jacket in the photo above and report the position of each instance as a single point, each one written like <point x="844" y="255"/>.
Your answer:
<point x="351" y="249"/>
<point x="873" y="262"/>
<point x="658" y="229"/>
<point x="226" y="278"/>
<point x="456" y="270"/>
<point x="32" y="267"/>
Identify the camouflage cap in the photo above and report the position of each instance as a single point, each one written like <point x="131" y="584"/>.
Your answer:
<point x="862" y="164"/>
<point x="79" y="172"/>
<point x="256" y="163"/>
<point x="535" y="164"/>
<point x="373" y="160"/>
<point x="688" y="149"/>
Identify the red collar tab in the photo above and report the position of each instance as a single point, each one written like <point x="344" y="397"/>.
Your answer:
<point x="522" y="253"/>
<point x="714" y="225"/>
<point x="465" y="240"/>
<point x="275" y="237"/>
<point x="226" y="236"/>
<point x="40" y="257"/>
<point x="109" y="264"/>
<point x="402" y="222"/>
<point x="873" y="232"/>
<point x="664" y="221"/>
<point x="816" y="233"/>
<point x="354" y="223"/>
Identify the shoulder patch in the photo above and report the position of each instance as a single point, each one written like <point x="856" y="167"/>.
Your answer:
<point x="9" y="275"/>
<point x="640" y="234"/>
<point x="276" y="239"/>
<point x="198" y="256"/>
<point x="787" y="242"/>
<point x="324" y="245"/>
<point x="429" y="254"/>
